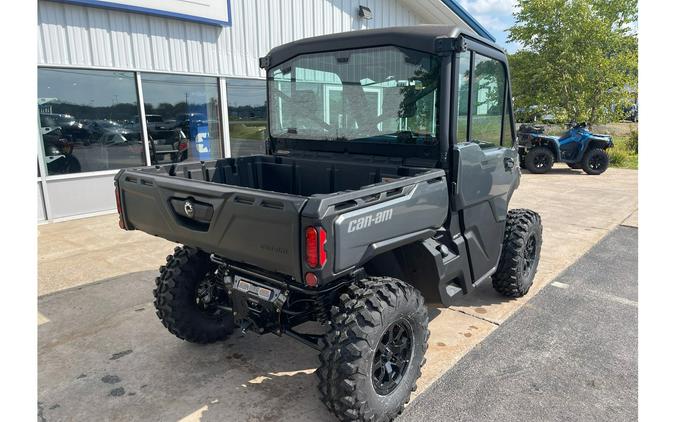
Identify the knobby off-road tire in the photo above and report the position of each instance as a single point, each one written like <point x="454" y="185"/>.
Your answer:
<point x="176" y="298"/>
<point x="370" y="321"/>
<point x="521" y="161"/>
<point x="595" y="161"/>
<point x="539" y="160"/>
<point x="520" y="253"/>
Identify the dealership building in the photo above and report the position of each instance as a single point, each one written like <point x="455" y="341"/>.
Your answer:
<point x="142" y="82"/>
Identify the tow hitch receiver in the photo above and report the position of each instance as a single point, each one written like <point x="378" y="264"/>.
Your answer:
<point x="256" y="306"/>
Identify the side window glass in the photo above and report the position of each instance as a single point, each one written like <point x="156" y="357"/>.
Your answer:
<point x="463" y="95"/>
<point x="487" y="101"/>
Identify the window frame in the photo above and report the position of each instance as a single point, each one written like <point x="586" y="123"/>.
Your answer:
<point x="226" y="110"/>
<point x="222" y="92"/>
<point x="219" y="112"/>
<point x="427" y="152"/>
<point x="41" y="155"/>
<point x="473" y="48"/>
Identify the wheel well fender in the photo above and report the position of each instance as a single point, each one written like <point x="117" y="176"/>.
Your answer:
<point x="597" y="143"/>
<point x="548" y="143"/>
<point x="411" y="263"/>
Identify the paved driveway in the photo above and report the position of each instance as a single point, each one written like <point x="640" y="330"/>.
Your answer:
<point x="102" y="353"/>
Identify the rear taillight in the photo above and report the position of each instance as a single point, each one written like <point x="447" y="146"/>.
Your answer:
<point x="315" y="247"/>
<point x="119" y="208"/>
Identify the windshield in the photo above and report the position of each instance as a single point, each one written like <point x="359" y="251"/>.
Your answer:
<point x="383" y="94"/>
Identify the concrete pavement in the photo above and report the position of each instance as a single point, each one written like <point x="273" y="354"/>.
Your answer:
<point x="85" y="333"/>
<point x="570" y="354"/>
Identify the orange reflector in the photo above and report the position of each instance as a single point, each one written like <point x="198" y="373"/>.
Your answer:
<point x="119" y="207"/>
<point x="117" y="200"/>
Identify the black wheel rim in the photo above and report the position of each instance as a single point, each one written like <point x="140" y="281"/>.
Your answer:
<point x="210" y="296"/>
<point x="392" y="357"/>
<point x="595" y="161"/>
<point x="542" y="161"/>
<point x="530" y="255"/>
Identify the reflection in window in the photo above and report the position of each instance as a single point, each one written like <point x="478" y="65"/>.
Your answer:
<point x="247" y="115"/>
<point x="463" y="95"/>
<point x="487" y="101"/>
<point x="86" y="120"/>
<point x="181" y="114"/>
<point x="383" y="94"/>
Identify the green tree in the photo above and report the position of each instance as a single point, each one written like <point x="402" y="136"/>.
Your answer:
<point x="579" y="58"/>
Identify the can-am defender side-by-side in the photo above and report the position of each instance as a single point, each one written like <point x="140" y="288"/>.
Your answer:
<point x="390" y="164"/>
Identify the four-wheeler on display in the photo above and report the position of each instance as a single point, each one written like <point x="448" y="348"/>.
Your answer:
<point x="578" y="148"/>
<point x="385" y="185"/>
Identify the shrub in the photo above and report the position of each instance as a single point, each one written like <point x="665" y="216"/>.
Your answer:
<point x="617" y="158"/>
<point x="632" y="142"/>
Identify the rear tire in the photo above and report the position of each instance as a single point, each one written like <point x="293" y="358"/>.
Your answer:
<point x="595" y="161"/>
<point x="520" y="253"/>
<point x="521" y="160"/>
<point x="178" y="303"/>
<point x="374" y="350"/>
<point x="539" y="160"/>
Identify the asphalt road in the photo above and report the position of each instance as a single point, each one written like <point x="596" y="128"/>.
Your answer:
<point x="569" y="354"/>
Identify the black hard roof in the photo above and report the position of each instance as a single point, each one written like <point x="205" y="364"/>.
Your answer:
<point x="420" y="37"/>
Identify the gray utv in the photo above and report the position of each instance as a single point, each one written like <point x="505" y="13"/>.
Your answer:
<point x="391" y="160"/>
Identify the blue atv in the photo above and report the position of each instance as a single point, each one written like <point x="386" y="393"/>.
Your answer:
<point x="578" y="148"/>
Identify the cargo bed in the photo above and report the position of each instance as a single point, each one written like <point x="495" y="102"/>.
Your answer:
<point x="250" y="209"/>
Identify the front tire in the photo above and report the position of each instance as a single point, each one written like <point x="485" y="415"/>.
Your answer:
<point x="539" y="160"/>
<point x="374" y="350"/>
<point x="520" y="253"/>
<point x="187" y="295"/>
<point x="595" y="161"/>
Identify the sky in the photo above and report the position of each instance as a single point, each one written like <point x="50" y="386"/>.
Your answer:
<point x="496" y="16"/>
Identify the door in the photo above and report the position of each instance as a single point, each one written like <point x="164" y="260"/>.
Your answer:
<point x="485" y="159"/>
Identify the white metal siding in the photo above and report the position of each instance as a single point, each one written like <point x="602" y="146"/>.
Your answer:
<point x="84" y="36"/>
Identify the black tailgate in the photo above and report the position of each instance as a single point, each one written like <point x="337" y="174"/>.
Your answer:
<point x="246" y="225"/>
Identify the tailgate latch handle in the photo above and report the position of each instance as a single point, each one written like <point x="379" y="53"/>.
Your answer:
<point x="189" y="208"/>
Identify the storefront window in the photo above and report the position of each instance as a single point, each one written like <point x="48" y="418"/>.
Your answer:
<point x="182" y="115"/>
<point x="87" y="120"/>
<point x="247" y="114"/>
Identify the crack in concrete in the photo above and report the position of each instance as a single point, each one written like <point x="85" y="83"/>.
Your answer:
<point x="475" y="316"/>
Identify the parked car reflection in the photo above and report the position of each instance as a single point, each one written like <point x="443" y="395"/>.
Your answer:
<point x="167" y="146"/>
<point x="72" y="129"/>
<point x="59" y="152"/>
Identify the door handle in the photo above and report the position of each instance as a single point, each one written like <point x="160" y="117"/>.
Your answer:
<point x="509" y="163"/>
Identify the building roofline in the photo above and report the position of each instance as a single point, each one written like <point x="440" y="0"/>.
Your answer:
<point x="470" y="20"/>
